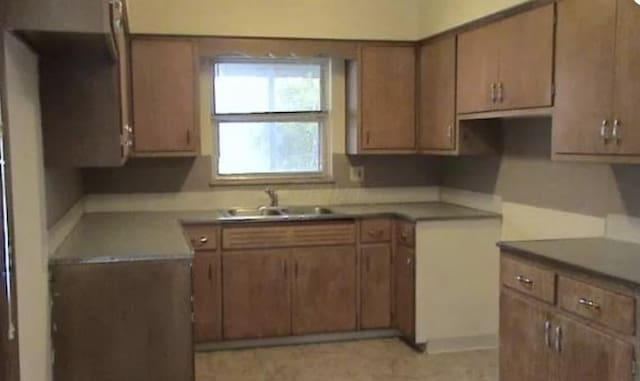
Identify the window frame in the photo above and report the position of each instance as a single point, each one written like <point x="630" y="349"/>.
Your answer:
<point x="321" y="117"/>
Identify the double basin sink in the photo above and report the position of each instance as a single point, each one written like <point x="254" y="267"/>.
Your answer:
<point x="276" y="212"/>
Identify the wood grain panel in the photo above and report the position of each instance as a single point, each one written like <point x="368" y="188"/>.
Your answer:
<point x="611" y="309"/>
<point x="529" y="279"/>
<point x="203" y="237"/>
<point x="375" y="286"/>
<point x="207" y="296"/>
<point x="288" y="235"/>
<point x="324" y="290"/>
<point x="437" y="95"/>
<point x="375" y="230"/>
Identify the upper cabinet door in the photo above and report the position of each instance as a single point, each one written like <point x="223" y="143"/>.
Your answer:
<point x="526" y="60"/>
<point x="626" y="116"/>
<point x="387" y="91"/>
<point x="478" y="65"/>
<point x="164" y="97"/>
<point x="585" y="45"/>
<point x="437" y="95"/>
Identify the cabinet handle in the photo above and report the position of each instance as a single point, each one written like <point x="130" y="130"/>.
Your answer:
<point x="547" y="334"/>
<point x="375" y="233"/>
<point x="524" y="280"/>
<point x="615" y="133"/>
<point x="493" y="93"/>
<point x="203" y="240"/>
<point x="367" y="137"/>
<point x="604" y="134"/>
<point x="589" y="304"/>
<point x="450" y="132"/>
<point x="500" y="92"/>
<point x="558" y="343"/>
<point x="408" y="261"/>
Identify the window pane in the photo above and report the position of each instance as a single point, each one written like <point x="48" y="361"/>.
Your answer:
<point x="255" y="87"/>
<point x="269" y="147"/>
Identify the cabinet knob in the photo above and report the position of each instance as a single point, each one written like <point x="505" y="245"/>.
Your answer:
<point x="203" y="240"/>
<point x="409" y="261"/>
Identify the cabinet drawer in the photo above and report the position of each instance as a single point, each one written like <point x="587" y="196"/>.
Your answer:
<point x="406" y="233"/>
<point x="608" y="308"/>
<point x="202" y="237"/>
<point x="258" y="237"/>
<point x="529" y="279"/>
<point x="375" y="230"/>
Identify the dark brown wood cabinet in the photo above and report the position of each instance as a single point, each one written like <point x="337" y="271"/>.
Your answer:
<point x="595" y="117"/>
<point x="122" y="321"/>
<point x="207" y="296"/>
<point x="256" y="294"/>
<point x="437" y="96"/>
<point x="324" y="290"/>
<point x="382" y="100"/>
<point x="375" y="286"/>
<point x="507" y="65"/>
<point x="404" y="291"/>
<point x="165" y="97"/>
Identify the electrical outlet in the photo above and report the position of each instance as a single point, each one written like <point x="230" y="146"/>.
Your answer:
<point x="356" y="174"/>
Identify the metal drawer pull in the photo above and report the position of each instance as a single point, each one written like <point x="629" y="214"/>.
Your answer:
<point x="493" y="92"/>
<point x="589" y="304"/>
<point x="203" y="240"/>
<point x="547" y="334"/>
<point x="604" y="135"/>
<point x="615" y="133"/>
<point x="524" y="280"/>
<point x="500" y="92"/>
<point x="558" y="339"/>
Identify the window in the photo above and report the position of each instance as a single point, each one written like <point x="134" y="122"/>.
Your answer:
<point x="270" y="119"/>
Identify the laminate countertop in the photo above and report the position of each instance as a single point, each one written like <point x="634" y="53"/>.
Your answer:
<point x="134" y="236"/>
<point x="617" y="260"/>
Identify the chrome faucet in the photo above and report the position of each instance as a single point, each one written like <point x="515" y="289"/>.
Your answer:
<point x="273" y="196"/>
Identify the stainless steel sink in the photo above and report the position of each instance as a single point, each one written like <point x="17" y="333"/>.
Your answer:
<point x="266" y="212"/>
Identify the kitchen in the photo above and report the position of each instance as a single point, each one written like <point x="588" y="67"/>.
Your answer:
<point x="340" y="190"/>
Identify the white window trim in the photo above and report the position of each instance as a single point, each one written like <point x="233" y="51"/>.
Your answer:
<point x="323" y="117"/>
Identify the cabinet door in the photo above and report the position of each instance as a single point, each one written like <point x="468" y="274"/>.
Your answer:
<point x="256" y="298"/>
<point x="589" y="355"/>
<point x="525" y="340"/>
<point x="375" y="286"/>
<point x="404" y="290"/>
<point x="164" y="96"/>
<point x="627" y="81"/>
<point x="526" y="60"/>
<point x="324" y="290"/>
<point x="388" y="98"/>
<point x="437" y="98"/>
<point x="207" y="303"/>
<point x="478" y="59"/>
<point x="585" y="41"/>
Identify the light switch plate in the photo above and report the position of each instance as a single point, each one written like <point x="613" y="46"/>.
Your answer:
<point x="356" y="174"/>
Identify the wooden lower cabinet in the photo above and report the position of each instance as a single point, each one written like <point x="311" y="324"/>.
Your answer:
<point x="525" y="340"/>
<point x="256" y="296"/>
<point x="375" y="286"/>
<point x="404" y="291"/>
<point x="207" y="295"/>
<point x="122" y="321"/>
<point x="324" y="290"/>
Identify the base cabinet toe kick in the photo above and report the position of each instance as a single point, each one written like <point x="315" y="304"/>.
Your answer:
<point x="271" y="282"/>
<point x="559" y="323"/>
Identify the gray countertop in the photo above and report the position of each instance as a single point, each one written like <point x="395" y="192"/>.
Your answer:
<point x="131" y="236"/>
<point x="609" y="258"/>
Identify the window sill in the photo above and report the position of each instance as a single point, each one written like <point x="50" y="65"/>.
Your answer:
<point x="271" y="181"/>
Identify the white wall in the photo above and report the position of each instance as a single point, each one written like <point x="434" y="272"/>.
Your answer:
<point x="29" y="210"/>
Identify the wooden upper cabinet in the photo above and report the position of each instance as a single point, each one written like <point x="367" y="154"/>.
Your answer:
<point x="165" y="97"/>
<point x="526" y="60"/>
<point x="507" y="65"/>
<point x="375" y="286"/>
<point x="387" y="82"/>
<point x="627" y="79"/>
<point x="478" y="64"/>
<point x="585" y="43"/>
<point x="590" y="355"/>
<point x="256" y="297"/>
<point x="524" y="353"/>
<point x="437" y="95"/>
<point x="324" y="290"/>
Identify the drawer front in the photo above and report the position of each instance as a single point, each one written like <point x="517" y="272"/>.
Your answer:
<point x="260" y="237"/>
<point x="375" y="230"/>
<point x="406" y="233"/>
<point x="528" y="279"/>
<point x="202" y="237"/>
<point x="611" y="309"/>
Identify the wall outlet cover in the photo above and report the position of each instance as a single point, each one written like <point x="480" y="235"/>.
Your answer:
<point x="356" y="174"/>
